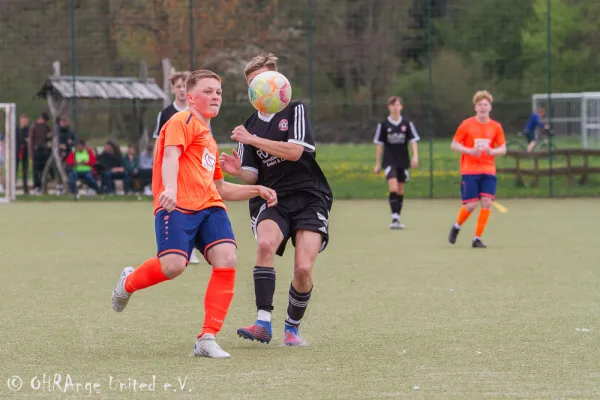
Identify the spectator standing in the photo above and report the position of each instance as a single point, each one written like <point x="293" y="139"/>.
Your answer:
<point x="40" y="136"/>
<point x="23" y="149"/>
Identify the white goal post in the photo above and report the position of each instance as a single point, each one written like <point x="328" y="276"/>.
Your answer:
<point x="8" y="158"/>
<point x="577" y="113"/>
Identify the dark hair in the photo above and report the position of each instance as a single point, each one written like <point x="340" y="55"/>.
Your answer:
<point x="45" y="116"/>
<point x="81" y="142"/>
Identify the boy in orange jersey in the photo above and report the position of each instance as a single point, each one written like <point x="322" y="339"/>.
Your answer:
<point x="479" y="139"/>
<point x="189" y="190"/>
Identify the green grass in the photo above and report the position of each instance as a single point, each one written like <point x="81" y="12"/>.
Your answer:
<point x="398" y="314"/>
<point x="349" y="170"/>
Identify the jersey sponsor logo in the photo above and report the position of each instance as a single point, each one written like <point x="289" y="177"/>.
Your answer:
<point x="263" y="155"/>
<point x="284" y="125"/>
<point x="268" y="159"/>
<point x="397" y="138"/>
<point x="208" y="160"/>
<point x="482" y="143"/>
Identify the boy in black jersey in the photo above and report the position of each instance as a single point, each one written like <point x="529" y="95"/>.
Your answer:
<point x="177" y="80"/>
<point x="278" y="150"/>
<point x="392" y="137"/>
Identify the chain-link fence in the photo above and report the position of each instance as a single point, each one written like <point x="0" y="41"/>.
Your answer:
<point x="344" y="59"/>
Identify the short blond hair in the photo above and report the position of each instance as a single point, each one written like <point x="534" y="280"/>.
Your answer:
<point x="482" y="95"/>
<point x="196" y="76"/>
<point x="177" y="75"/>
<point x="269" y="61"/>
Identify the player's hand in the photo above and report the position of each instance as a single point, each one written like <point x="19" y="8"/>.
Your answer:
<point x="475" y="152"/>
<point x="377" y="169"/>
<point x="241" y="134"/>
<point x="168" y="199"/>
<point x="414" y="163"/>
<point x="231" y="164"/>
<point x="268" y="194"/>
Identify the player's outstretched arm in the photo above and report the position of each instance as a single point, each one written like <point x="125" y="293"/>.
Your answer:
<point x="232" y="164"/>
<point x="285" y="150"/>
<point x="233" y="192"/>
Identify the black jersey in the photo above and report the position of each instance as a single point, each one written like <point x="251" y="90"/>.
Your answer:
<point x="164" y="116"/>
<point x="285" y="177"/>
<point x="395" y="136"/>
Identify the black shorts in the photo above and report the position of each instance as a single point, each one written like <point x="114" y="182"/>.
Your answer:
<point x="530" y="136"/>
<point x="301" y="211"/>
<point x="401" y="174"/>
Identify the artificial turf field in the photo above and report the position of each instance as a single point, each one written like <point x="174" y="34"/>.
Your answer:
<point x="394" y="314"/>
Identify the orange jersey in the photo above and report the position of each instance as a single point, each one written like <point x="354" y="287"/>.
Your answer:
<point x="472" y="134"/>
<point x="198" y="164"/>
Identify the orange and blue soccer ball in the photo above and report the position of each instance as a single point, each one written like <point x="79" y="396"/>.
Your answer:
<point x="270" y="92"/>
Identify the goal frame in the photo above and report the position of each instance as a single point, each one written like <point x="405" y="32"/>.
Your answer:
<point x="588" y="115"/>
<point x="10" y="152"/>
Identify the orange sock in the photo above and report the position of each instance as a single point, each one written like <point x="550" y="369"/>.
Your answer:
<point x="463" y="216"/>
<point x="148" y="274"/>
<point x="482" y="220"/>
<point x="217" y="299"/>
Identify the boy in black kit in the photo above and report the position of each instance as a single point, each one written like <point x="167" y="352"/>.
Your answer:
<point x="392" y="137"/>
<point x="278" y="150"/>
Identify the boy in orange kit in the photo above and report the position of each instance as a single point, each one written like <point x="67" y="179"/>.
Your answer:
<point x="479" y="139"/>
<point x="188" y="189"/>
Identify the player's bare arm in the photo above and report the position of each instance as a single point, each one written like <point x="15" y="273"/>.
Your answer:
<point x="460" y="148"/>
<point x="378" y="154"/>
<point x="233" y="192"/>
<point x="170" y="169"/>
<point x="232" y="164"/>
<point x="414" y="162"/>
<point x="498" y="151"/>
<point x="285" y="150"/>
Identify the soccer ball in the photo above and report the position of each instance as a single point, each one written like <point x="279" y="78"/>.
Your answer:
<point x="270" y="92"/>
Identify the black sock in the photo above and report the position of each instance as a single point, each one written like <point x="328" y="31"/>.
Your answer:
<point x="264" y="287"/>
<point x="394" y="203"/>
<point x="400" y="203"/>
<point x="296" y="306"/>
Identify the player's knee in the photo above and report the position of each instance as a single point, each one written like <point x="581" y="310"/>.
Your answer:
<point x="228" y="259"/>
<point x="486" y="202"/>
<point x="267" y="246"/>
<point x="471" y="206"/>
<point x="303" y="270"/>
<point x="173" y="265"/>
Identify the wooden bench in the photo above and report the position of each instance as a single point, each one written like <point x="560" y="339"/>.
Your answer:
<point x="563" y="158"/>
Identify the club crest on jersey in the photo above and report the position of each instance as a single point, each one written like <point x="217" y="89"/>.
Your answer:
<point x="403" y="128"/>
<point x="208" y="160"/>
<point x="284" y="125"/>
